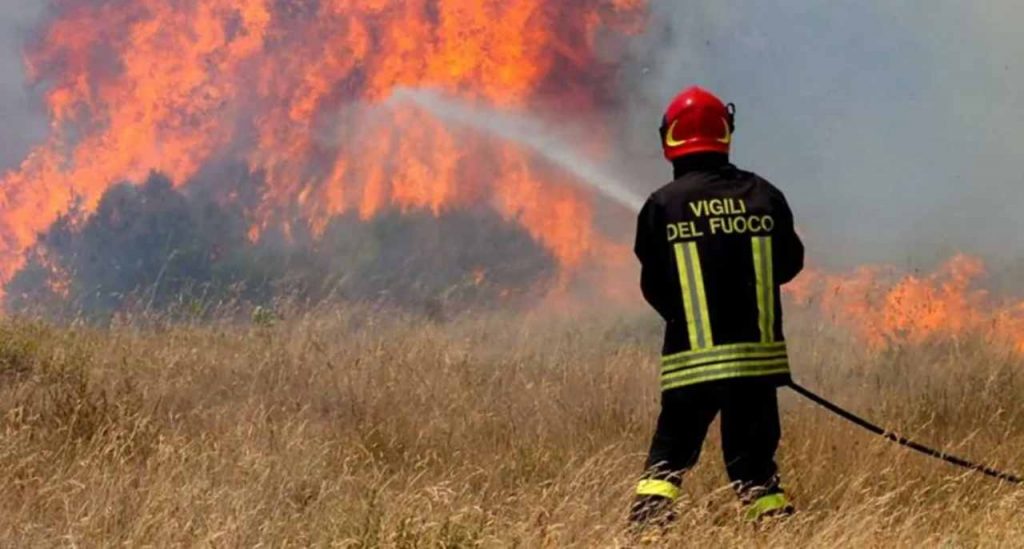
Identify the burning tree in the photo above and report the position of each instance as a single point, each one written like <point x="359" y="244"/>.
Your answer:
<point x="152" y="247"/>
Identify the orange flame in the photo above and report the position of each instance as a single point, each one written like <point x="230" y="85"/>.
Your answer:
<point x="142" y="85"/>
<point x="886" y="308"/>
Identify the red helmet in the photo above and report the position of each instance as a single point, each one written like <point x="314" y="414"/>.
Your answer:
<point x="697" y="122"/>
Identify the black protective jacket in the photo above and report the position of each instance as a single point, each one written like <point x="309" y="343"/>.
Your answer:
<point x="715" y="246"/>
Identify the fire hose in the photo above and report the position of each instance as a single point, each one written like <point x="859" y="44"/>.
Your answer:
<point x="903" y="441"/>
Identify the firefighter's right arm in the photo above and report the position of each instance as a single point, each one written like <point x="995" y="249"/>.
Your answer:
<point x="789" y="250"/>
<point x="650" y="250"/>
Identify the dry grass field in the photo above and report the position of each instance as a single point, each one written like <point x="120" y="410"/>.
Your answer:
<point x="359" y="429"/>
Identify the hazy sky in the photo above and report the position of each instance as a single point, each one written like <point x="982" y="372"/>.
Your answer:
<point x="895" y="127"/>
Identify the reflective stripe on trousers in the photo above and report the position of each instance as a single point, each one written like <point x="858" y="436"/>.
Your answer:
<point x="659" y="488"/>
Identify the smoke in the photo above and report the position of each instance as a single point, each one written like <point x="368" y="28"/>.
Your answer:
<point x="23" y="125"/>
<point x="894" y="127"/>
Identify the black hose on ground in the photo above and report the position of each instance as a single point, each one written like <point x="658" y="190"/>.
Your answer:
<point x="903" y="441"/>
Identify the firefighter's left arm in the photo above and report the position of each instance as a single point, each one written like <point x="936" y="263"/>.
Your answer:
<point x="789" y="251"/>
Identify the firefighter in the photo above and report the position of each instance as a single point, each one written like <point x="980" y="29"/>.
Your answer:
<point x="715" y="246"/>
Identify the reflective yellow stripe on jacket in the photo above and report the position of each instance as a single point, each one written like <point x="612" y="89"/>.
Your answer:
<point x="724" y="362"/>
<point x="765" y="275"/>
<point x="709" y="362"/>
<point x="695" y="302"/>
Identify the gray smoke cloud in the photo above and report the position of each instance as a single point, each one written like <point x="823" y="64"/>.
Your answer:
<point x="21" y="122"/>
<point x="894" y="127"/>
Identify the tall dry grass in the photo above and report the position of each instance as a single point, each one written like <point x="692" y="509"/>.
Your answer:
<point x="360" y="429"/>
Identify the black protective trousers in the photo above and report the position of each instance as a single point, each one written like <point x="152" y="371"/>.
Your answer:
<point x="750" y="433"/>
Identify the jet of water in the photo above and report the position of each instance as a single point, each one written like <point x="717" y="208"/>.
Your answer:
<point x="523" y="130"/>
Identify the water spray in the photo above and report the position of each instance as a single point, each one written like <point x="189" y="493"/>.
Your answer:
<point x="536" y="136"/>
<point x="524" y="130"/>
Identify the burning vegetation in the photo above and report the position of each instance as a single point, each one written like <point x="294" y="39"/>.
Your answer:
<point x="152" y="248"/>
<point x="886" y="307"/>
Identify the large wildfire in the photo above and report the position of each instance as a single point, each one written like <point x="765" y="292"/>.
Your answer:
<point x="138" y="86"/>
<point x="295" y="91"/>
